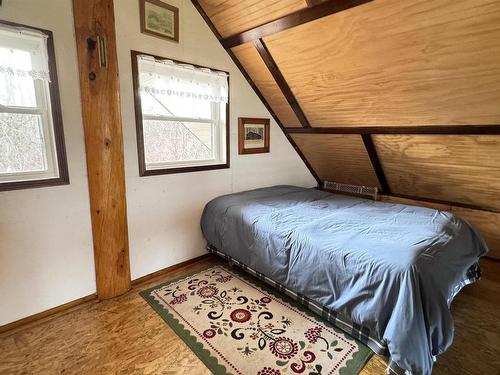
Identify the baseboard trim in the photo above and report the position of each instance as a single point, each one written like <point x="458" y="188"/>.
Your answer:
<point x="167" y="270"/>
<point x="93" y="297"/>
<point x="47" y="313"/>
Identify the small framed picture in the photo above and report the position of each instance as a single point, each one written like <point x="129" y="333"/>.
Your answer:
<point x="159" y="19"/>
<point x="253" y="135"/>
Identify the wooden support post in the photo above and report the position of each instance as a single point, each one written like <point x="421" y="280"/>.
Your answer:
<point x="99" y="86"/>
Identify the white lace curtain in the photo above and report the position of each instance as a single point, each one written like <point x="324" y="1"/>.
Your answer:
<point x="11" y="71"/>
<point x="16" y="43"/>
<point x="167" y="78"/>
<point x="23" y="62"/>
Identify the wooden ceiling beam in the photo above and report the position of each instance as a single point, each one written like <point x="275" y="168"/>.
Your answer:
<point x="281" y="82"/>
<point x="376" y="164"/>
<point x="233" y="57"/>
<point x="311" y="3"/>
<point x="291" y="20"/>
<point x="444" y="202"/>
<point x="492" y="129"/>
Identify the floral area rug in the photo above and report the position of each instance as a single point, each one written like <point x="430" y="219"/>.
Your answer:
<point x="237" y="325"/>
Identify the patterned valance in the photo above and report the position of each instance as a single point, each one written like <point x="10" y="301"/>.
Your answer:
<point x="168" y="78"/>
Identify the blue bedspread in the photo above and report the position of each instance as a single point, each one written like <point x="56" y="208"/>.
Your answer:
<point x="392" y="268"/>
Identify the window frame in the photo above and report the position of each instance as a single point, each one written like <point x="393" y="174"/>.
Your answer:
<point x="143" y="171"/>
<point x="55" y="124"/>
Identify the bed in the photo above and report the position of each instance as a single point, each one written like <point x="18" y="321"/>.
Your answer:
<point x="386" y="273"/>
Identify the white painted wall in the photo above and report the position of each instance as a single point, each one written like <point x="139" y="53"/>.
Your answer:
<point x="46" y="256"/>
<point x="164" y="211"/>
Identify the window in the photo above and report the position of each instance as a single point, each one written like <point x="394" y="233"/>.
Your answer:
<point x="31" y="138"/>
<point x="182" y="116"/>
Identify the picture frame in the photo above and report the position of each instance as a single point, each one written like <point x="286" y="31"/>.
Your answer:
<point x="159" y="19"/>
<point x="253" y="135"/>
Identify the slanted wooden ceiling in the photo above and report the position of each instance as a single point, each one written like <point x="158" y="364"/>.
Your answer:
<point x="403" y="95"/>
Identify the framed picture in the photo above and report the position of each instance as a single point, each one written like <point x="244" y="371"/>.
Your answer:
<point x="253" y="135"/>
<point x="159" y="19"/>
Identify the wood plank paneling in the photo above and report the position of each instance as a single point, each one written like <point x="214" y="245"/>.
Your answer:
<point x="374" y="159"/>
<point x="413" y="202"/>
<point x="249" y="57"/>
<point x="280" y="81"/>
<point x="234" y="16"/>
<point x="290" y="21"/>
<point x="455" y="168"/>
<point x="104" y="146"/>
<point x="399" y="65"/>
<point x="392" y="62"/>
<point x="338" y="158"/>
<point x="488" y="223"/>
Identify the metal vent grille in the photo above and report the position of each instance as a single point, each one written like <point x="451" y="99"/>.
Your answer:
<point x="351" y="189"/>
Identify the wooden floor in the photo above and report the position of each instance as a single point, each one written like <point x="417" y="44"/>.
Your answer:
<point x="125" y="336"/>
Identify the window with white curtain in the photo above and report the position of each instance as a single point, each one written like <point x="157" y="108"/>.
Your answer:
<point x="28" y="147"/>
<point x="182" y="113"/>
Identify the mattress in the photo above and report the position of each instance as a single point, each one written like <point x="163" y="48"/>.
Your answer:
<point x="391" y="268"/>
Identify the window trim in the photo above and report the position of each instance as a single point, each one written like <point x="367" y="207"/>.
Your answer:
<point x="57" y="123"/>
<point x="139" y="125"/>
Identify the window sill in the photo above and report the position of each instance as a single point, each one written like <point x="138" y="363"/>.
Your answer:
<point x="33" y="184"/>
<point x="156" y="172"/>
